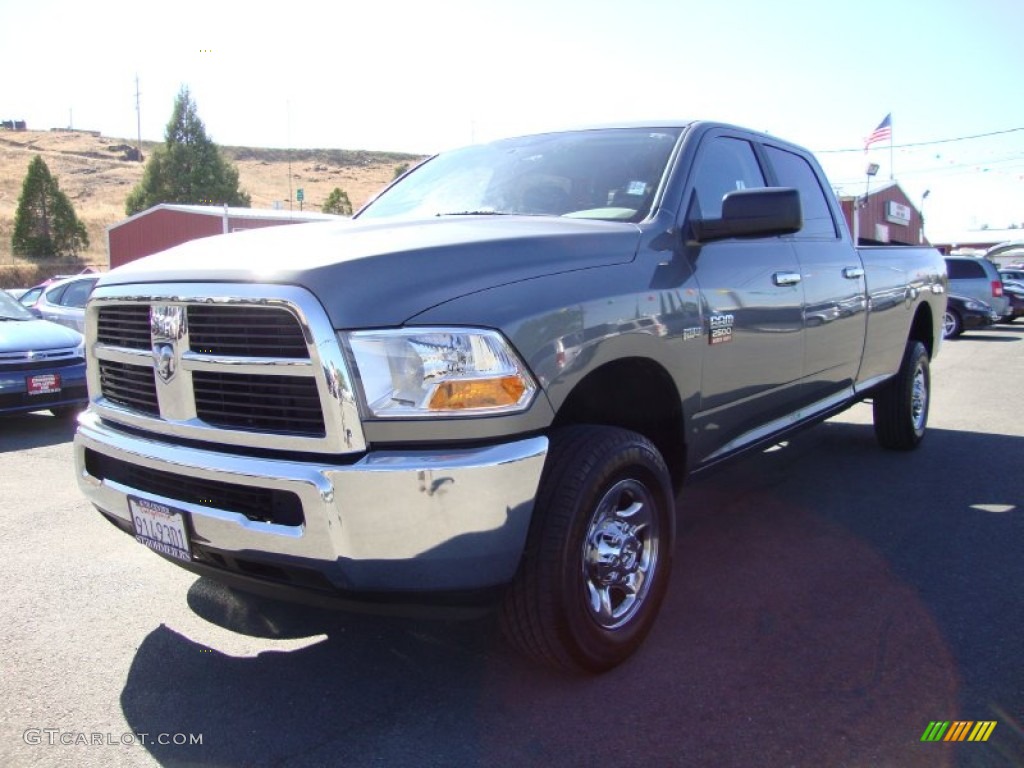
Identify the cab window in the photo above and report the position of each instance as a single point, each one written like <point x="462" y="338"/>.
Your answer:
<point x="723" y="166"/>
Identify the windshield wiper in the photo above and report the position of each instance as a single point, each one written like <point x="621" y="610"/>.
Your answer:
<point x="482" y="212"/>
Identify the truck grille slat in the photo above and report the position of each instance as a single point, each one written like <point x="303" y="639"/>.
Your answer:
<point x="268" y="403"/>
<point x="131" y="386"/>
<point x="263" y="504"/>
<point x="246" y="332"/>
<point x="124" y="326"/>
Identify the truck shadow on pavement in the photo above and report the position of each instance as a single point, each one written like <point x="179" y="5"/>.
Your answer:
<point x="828" y="601"/>
<point x="34" y="430"/>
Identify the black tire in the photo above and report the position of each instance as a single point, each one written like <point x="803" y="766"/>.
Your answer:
<point x="592" y="578"/>
<point x="952" y="325"/>
<point x="1007" y="320"/>
<point x="901" y="404"/>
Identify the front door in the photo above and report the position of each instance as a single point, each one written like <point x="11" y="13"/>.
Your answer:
<point x="752" y="299"/>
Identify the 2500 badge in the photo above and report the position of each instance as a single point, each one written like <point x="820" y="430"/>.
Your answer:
<point x="721" y="328"/>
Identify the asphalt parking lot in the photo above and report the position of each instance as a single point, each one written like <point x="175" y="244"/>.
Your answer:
<point x="829" y="601"/>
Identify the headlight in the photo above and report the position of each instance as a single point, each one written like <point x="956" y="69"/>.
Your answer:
<point x="439" y="372"/>
<point x="977" y="306"/>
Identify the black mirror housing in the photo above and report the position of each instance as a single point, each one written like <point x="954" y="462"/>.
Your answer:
<point x="762" y="212"/>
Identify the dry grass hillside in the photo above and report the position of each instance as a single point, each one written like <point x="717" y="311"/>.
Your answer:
<point x="93" y="172"/>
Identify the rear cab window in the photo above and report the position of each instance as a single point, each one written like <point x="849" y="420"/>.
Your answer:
<point x="792" y="170"/>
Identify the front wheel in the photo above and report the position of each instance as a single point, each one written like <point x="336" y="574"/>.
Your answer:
<point x="901" y="404"/>
<point x="599" y="551"/>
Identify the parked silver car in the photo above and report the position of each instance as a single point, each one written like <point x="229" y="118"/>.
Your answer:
<point x="977" y="279"/>
<point x="63" y="301"/>
<point x="1012" y="273"/>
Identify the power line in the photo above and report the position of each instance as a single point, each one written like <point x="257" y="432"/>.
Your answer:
<point x="924" y="143"/>
<point x="1007" y="166"/>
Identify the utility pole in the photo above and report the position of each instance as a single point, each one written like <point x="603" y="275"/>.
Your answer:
<point x="138" y="117"/>
<point x="288" y="152"/>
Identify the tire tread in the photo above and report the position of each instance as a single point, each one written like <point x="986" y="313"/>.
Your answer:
<point x="893" y="427"/>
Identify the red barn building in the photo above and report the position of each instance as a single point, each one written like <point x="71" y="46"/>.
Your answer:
<point x="886" y="216"/>
<point x="166" y="225"/>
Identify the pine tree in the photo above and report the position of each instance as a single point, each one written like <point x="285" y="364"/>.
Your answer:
<point x="188" y="167"/>
<point x="338" y="202"/>
<point x="45" y="224"/>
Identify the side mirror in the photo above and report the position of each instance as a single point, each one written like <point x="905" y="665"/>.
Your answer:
<point x="762" y="212"/>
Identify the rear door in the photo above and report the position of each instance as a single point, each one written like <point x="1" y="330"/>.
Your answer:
<point x="835" y="313"/>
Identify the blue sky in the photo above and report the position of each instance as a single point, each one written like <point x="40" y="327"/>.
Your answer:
<point x="423" y="77"/>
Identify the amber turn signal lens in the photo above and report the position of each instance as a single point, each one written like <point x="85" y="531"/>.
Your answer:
<point x="477" y="393"/>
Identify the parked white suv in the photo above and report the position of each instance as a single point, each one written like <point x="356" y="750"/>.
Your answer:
<point x="977" y="279"/>
<point x="63" y="302"/>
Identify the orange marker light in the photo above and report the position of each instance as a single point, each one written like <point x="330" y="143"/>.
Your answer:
<point x="477" y="393"/>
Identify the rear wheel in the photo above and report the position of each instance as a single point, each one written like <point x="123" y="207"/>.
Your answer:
<point x="599" y="552"/>
<point x="952" y="325"/>
<point x="901" y="404"/>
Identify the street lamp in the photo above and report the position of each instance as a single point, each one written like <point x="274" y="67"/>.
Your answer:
<point x="870" y="171"/>
<point x="920" y="236"/>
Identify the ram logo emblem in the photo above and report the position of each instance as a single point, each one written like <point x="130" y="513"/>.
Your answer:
<point x="166" y="328"/>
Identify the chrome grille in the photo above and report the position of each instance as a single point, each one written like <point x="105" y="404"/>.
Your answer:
<point x="241" y="364"/>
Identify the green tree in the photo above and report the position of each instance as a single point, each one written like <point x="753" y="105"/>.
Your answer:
<point x="45" y="223"/>
<point x="188" y="167"/>
<point x="399" y="170"/>
<point x="337" y="202"/>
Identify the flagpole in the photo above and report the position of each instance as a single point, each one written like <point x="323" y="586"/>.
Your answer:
<point x="892" y="168"/>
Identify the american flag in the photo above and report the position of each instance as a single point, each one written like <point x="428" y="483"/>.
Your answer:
<point x="881" y="133"/>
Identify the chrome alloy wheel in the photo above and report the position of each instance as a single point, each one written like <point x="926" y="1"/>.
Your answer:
<point x="919" y="398"/>
<point x="948" y="325"/>
<point x="620" y="553"/>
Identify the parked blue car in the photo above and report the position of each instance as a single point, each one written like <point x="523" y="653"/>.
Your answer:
<point x="42" y="364"/>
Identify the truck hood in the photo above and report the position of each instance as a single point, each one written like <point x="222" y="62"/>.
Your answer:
<point x="35" y="336"/>
<point x="380" y="273"/>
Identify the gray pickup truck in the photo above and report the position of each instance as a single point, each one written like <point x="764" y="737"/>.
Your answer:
<point x="493" y="381"/>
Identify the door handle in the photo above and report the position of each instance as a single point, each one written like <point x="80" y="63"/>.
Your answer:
<point x="786" y="278"/>
<point x="853" y="273"/>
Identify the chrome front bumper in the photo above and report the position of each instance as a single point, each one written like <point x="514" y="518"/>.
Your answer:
<point x="401" y="521"/>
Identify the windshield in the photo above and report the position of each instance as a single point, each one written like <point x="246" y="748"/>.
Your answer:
<point x="10" y="309"/>
<point x="610" y="174"/>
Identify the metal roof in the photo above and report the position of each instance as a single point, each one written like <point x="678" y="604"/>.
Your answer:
<point x="266" y="214"/>
<point x="986" y="237"/>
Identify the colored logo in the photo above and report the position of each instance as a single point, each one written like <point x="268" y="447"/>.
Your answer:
<point x="958" y="730"/>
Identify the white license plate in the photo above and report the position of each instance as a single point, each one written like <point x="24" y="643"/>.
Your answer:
<point x="43" y="384"/>
<point x="160" y="528"/>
